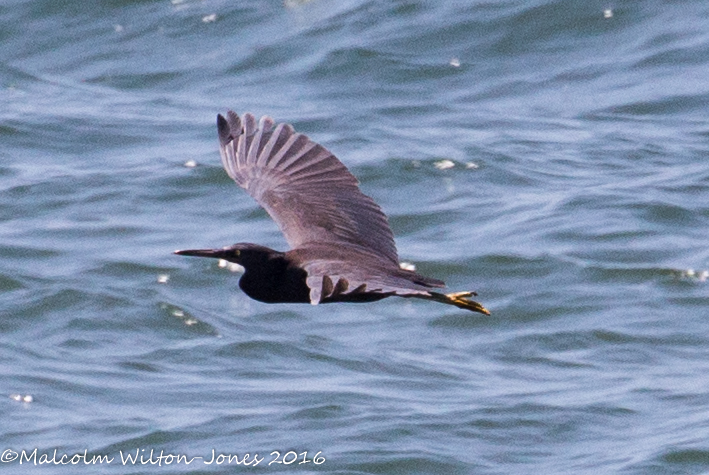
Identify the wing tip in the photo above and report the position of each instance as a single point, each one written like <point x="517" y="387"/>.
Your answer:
<point x="228" y="127"/>
<point x="231" y="126"/>
<point x="223" y="130"/>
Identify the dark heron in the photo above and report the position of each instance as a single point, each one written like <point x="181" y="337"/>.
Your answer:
<point x="342" y="249"/>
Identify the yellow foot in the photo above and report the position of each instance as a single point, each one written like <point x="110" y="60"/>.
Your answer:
<point x="456" y="295"/>
<point x="460" y="300"/>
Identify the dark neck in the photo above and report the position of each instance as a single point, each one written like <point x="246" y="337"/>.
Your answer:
<point x="275" y="281"/>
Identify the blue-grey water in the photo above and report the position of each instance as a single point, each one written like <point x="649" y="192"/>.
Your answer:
<point x="551" y="155"/>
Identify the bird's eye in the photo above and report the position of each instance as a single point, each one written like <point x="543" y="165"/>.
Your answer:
<point x="238" y="253"/>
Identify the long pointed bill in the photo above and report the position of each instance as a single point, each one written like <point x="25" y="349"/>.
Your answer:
<point x="215" y="253"/>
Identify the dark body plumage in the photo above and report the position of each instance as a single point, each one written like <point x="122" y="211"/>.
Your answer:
<point x="342" y="247"/>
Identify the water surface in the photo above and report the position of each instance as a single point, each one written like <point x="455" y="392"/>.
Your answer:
<point x="550" y="155"/>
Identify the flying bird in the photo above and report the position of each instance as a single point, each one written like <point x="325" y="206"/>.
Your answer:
<point x="342" y="248"/>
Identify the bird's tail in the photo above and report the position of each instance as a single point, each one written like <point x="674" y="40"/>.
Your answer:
<point x="458" y="299"/>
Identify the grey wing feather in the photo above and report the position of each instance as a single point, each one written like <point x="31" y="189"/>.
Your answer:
<point x="350" y="278"/>
<point x="307" y="191"/>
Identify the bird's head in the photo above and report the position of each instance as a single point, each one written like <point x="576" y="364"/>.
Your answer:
<point x="243" y="253"/>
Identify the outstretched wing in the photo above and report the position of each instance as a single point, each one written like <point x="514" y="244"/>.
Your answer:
<point x="348" y="281"/>
<point x="307" y="191"/>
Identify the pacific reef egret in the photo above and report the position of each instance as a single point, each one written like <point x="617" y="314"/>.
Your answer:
<point x="342" y="248"/>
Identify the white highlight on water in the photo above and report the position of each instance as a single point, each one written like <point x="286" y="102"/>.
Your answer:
<point x="444" y="164"/>
<point x="233" y="267"/>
